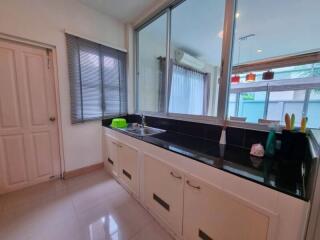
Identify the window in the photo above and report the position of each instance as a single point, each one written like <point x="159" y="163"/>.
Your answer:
<point x="196" y="43"/>
<point x="97" y="80"/>
<point x="187" y="91"/>
<point x="287" y="92"/>
<point x="186" y="81"/>
<point x="151" y="57"/>
<point x="269" y="68"/>
<point x="251" y="106"/>
<point x="275" y="72"/>
<point x="314" y="108"/>
<point x="232" y="110"/>
<point x="283" y="102"/>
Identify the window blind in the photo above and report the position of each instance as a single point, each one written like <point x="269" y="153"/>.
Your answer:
<point x="98" y="85"/>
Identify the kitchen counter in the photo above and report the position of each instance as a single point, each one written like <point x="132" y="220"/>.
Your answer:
<point x="274" y="172"/>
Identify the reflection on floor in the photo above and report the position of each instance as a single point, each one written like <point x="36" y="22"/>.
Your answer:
<point x="90" y="207"/>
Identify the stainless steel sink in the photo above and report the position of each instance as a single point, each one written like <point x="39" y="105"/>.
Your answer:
<point x="142" y="131"/>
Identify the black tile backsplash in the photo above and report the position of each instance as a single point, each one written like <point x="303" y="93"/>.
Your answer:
<point x="201" y="142"/>
<point x="252" y="137"/>
<point x="235" y="136"/>
<point x="212" y="132"/>
<point x="207" y="131"/>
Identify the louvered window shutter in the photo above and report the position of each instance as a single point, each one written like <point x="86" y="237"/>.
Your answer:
<point x="98" y="83"/>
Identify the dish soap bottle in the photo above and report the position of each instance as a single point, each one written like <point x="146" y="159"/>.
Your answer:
<point x="271" y="142"/>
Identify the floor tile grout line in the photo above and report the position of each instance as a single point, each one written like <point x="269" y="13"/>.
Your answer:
<point x="64" y="194"/>
<point x="79" y="223"/>
<point x="142" y="228"/>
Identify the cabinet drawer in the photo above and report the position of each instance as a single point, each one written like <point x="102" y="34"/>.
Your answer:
<point x="163" y="188"/>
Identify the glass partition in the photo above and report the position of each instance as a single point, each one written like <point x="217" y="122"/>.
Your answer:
<point x="314" y="108"/>
<point x="190" y="84"/>
<point x="151" y="54"/>
<point x="283" y="102"/>
<point x="274" y="65"/>
<point x="275" y="61"/>
<point x="195" y="57"/>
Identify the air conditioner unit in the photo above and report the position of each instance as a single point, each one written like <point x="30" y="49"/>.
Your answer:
<point x="188" y="60"/>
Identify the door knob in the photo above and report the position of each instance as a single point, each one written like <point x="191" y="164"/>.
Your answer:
<point x="52" y="119"/>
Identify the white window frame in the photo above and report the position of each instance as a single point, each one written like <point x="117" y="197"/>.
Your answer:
<point x="225" y="73"/>
<point x="230" y="7"/>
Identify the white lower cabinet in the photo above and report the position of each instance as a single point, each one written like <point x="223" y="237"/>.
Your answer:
<point x="192" y="204"/>
<point x="122" y="162"/>
<point x="112" y="162"/>
<point x="129" y="167"/>
<point x="210" y="213"/>
<point x="163" y="192"/>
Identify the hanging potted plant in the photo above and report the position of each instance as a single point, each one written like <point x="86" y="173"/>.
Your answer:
<point x="268" y="75"/>
<point x="250" y="77"/>
<point x="235" y="79"/>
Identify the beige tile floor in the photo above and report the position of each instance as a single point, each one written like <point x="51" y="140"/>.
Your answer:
<point x="89" y="207"/>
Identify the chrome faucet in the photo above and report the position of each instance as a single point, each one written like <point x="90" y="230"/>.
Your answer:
<point x="143" y="120"/>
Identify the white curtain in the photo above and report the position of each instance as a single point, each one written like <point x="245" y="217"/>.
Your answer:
<point x="187" y="93"/>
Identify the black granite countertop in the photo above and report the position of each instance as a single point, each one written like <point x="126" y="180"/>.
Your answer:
<point x="270" y="172"/>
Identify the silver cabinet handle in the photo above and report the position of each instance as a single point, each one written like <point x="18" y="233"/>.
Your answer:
<point x="175" y="176"/>
<point x="196" y="187"/>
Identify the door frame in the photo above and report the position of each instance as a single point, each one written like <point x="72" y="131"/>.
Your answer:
<point x="52" y="54"/>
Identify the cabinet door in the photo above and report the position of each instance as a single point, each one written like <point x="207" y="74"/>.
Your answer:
<point x="210" y="213"/>
<point x="163" y="189"/>
<point x="128" y="168"/>
<point x="112" y="162"/>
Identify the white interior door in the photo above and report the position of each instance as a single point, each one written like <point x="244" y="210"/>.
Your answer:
<point x="29" y="143"/>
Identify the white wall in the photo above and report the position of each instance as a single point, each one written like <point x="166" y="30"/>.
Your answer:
<point x="44" y="21"/>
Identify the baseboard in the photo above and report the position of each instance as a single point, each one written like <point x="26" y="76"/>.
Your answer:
<point x="81" y="171"/>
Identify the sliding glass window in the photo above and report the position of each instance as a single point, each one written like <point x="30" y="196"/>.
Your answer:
<point x="313" y="109"/>
<point x="151" y="66"/>
<point x="195" y="57"/>
<point x="275" y="65"/>
<point x="187" y="82"/>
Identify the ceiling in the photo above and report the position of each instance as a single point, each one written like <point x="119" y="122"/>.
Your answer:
<point x="280" y="28"/>
<point x="124" y="10"/>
